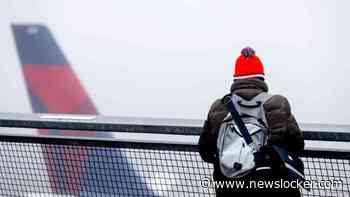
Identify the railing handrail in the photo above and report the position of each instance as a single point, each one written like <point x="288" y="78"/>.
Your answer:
<point x="321" y="132"/>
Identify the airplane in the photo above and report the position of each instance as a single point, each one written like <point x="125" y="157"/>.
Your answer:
<point x="53" y="87"/>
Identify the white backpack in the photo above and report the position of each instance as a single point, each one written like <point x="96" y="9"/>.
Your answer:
<point x="236" y="158"/>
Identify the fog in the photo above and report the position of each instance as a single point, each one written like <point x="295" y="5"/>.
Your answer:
<point x="172" y="59"/>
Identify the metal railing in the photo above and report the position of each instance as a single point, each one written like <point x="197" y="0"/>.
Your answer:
<point x="137" y="157"/>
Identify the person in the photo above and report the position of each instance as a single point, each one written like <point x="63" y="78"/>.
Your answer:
<point x="282" y="127"/>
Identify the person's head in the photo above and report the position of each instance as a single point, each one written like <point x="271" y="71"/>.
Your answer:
<point x="248" y="65"/>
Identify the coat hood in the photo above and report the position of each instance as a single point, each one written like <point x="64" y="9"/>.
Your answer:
<point x="248" y="88"/>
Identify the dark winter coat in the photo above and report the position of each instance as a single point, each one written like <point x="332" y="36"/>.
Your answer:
<point x="283" y="129"/>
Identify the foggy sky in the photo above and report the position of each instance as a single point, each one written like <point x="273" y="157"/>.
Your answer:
<point x="172" y="59"/>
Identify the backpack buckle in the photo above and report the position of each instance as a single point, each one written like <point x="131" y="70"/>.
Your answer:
<point x="253" y="147"/>
<point x="226" y="99"/>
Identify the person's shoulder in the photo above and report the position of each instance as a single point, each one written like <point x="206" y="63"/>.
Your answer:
<point x="277" y="97"/>
<point x="277" y="101"/>
<point x="217" y="108"/>
<point x="216" y="114"/>
<point x="216" y="105"/>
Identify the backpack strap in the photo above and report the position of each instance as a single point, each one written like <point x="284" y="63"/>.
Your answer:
<point x="228" y="102"/>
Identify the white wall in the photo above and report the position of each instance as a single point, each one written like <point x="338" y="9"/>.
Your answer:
<point x="173" y="58"/>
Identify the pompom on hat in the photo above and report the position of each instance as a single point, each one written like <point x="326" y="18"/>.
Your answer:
<point x="248" y="65"/>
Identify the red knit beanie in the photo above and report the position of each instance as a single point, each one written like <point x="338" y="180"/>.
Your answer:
<point x="248" y="65"/>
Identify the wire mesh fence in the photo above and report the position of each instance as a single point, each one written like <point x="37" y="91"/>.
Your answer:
<point x="32" y="166"/>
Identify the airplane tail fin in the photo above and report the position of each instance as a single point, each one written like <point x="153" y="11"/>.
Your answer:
<point x="53" y="87"/>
